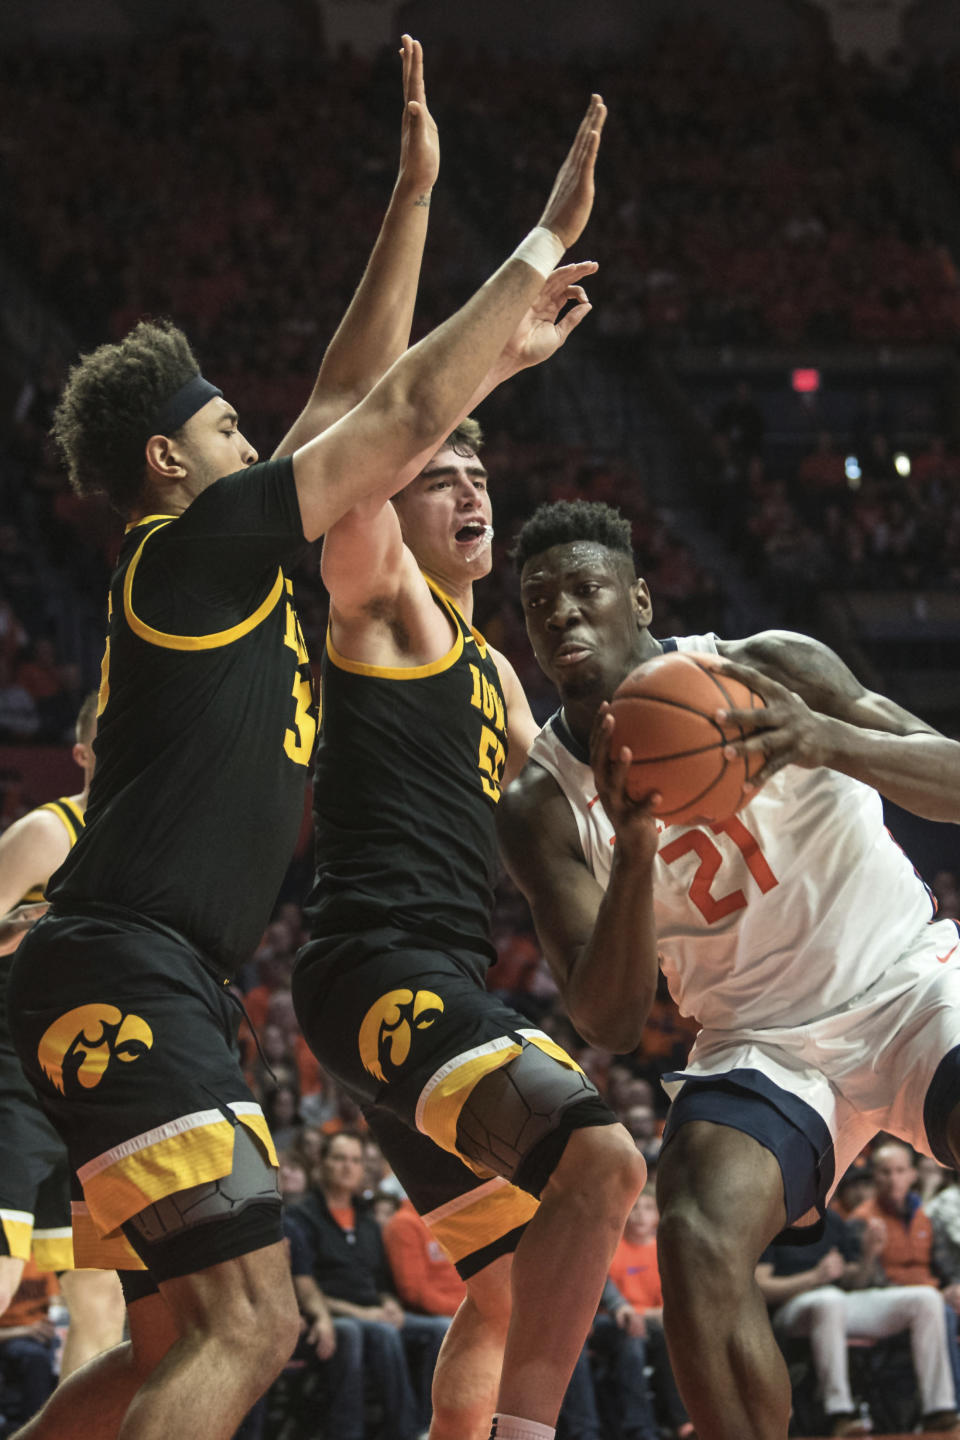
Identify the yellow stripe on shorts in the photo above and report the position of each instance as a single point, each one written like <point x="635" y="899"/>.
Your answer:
<point x="17" y="1230"/>
<point x="478" y="1218"/>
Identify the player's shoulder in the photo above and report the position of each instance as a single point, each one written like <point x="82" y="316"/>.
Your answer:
<point x="534" y="813"/>
<point x="45" y="822"/>
<point x="775" y="651"/>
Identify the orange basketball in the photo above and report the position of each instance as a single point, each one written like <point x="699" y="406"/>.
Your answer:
<point x="665" y="711"/>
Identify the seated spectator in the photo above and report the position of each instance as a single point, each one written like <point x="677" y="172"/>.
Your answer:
<point x="334" y="1344"/>
<point x="853" y="1187"/>
<point x="425" y="1276"/>
<point x="28" y="1348"/>
<point x="635" y="1274"/>
<point x="829" y="1291"/>
<point x="281" y="1108"/>
<point x="336" y="1243"/>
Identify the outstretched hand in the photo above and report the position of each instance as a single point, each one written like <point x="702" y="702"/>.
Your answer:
<point x="571" y="199"/>
<point x="542" y="330"/>
<point x="634" y="821"/>
<point x="419" y="137"/>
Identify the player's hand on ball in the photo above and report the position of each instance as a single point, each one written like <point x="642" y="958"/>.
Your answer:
<point x="633" y="820"/>
<point x="785" y="730"/>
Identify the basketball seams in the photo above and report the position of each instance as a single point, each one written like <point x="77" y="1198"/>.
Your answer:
<point x="694" y="707"/>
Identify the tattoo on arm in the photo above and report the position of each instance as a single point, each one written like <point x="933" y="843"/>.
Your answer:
<point x="423" y="200"/>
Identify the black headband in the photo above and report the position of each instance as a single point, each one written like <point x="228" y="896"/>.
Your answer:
<point x="183" y="403"/>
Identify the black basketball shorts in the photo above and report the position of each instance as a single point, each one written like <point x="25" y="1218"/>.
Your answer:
<point x="411" y="1033"/>
<point x="130" y="1044"/>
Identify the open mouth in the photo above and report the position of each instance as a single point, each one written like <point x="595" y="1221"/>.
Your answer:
<point x="475" y="532"/>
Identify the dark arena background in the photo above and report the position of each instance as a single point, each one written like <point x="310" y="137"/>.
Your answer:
<point x="767" y="386"/>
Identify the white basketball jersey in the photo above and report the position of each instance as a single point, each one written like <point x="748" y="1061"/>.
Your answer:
<point x="777" y="915"/>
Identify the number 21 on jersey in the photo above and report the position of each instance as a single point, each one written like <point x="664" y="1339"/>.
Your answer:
<point x="715" y="907"/>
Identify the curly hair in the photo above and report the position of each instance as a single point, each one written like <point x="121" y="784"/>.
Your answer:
<point x="564" y="521"/>
<point x="110" y="400"/>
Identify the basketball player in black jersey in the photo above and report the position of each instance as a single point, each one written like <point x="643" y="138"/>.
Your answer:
<point x="501" y="1142"/>
<point x="122" y="1021"/>
<point x="34" y="1174"/>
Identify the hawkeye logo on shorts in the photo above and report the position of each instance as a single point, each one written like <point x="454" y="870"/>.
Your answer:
<point x="80" y="1045"/>
<point x="387" y="1030"/>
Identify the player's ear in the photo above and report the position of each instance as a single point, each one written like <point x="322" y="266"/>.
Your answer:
<point x="164" y="463"/>
<point x="642" y="603"/>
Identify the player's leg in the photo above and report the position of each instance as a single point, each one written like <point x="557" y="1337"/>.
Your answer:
<point x="237" y="1326"/>
<point x="95" y="1302"/>
<point x="583" y="1209"/>
<point x="467" y="1376"/>
<point x="94" y="1399"/>
<point x="721" y="1200"/>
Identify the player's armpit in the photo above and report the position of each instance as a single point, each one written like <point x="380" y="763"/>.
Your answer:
<point x="363" y="558"/>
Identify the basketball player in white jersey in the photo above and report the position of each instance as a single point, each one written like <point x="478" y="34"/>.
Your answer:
<point x="796" y="932"/>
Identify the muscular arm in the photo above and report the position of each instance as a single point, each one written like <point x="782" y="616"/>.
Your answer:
<point x="600" y="945"/>
<point x="373" y="451"/>
<point x="818" y="713"/>
<point x="375" y="330"/>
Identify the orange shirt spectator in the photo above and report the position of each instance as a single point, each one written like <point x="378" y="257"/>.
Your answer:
<point x="634" y="1266"/>
<point x="425" y="1278"/>
<point x="906" y="1252"/>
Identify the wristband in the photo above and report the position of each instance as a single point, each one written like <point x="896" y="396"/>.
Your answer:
<point x="541" y="249"/>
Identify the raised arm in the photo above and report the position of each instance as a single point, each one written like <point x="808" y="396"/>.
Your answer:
<point x="374" y="450"/>
<point x="601" y="945"/>
<point x="818" y="713"/>
<point x="375" y="330"/>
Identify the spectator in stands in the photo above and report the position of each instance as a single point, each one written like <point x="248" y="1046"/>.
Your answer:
<point x="280" y="1106"/>
<point x="18" y="713"/>
<point x="423" y="1273"/>
<point x="334" y="1343"/>
<point x="834" y="1288"/>
<point x="28" y="1347"/>
<point x="336" y="1243"/>
<point x="636" y="1276"/>
<point x="854" y="1187"/>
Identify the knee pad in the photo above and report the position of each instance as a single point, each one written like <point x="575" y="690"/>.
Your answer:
<point x="517" y="1119"/>
<point x="252" y="1180"/>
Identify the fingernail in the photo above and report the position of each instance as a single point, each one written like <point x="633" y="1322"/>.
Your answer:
<point x="720" y="714"/>
<point x="729" y="753"/>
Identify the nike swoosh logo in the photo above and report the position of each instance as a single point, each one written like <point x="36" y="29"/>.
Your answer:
<point x="944" y="958"/>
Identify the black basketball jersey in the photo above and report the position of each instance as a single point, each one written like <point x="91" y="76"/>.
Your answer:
<point x="406" y="783"/>
<point x="206" y="721"/>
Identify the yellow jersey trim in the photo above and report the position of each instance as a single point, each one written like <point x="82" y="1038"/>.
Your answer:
<point x="72" y="821"/>
<point x="406" y="672"/>
<point x="147" y="520"/>
<point x="217" y="638"/>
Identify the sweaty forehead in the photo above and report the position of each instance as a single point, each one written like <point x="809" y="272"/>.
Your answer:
<point x="574" y="558"/>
